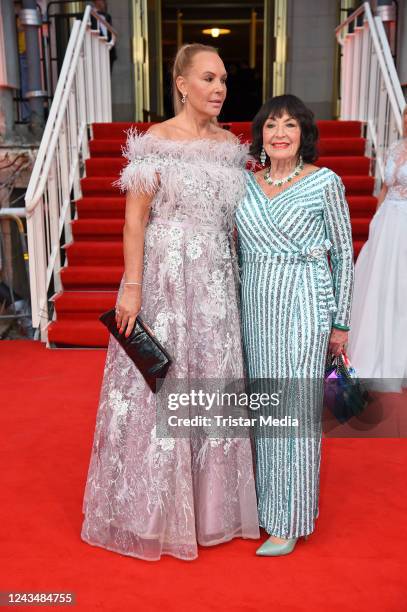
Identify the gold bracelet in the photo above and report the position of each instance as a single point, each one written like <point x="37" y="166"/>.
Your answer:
<point x="139" y="284"/>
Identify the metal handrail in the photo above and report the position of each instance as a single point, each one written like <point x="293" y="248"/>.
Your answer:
<point x="370" y="87"/>
<point x="82" y="97"/>
<point x="51" y="132"/>
<point x="394" y="80"/>
<point x="340" y="29"/>
<point x="58" y="107"/>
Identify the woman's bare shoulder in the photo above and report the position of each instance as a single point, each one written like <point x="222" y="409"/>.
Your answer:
<point x="165" y="129"/>
<point x="171" y="130"/>
<point x="228" y="136"/>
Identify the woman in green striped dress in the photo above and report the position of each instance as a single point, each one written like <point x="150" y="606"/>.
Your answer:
<point x="295" y="307"/>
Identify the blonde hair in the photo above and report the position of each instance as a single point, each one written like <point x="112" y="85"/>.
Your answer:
<point x="182" y="62"/>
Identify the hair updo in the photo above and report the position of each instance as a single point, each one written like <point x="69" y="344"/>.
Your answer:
<point x="182" y="62"/>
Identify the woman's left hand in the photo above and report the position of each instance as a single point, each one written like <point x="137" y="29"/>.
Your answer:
<point x="338" y="341"/>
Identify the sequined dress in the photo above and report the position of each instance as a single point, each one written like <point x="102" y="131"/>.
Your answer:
<point x="147" y="496"/>
<point x="290" y="300"/>
<point x="377" y="340"/>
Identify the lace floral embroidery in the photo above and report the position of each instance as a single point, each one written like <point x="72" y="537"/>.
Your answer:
<point x="395" y="174"/>
<point x="194" y="247"/>
<point x="162" y="324"/>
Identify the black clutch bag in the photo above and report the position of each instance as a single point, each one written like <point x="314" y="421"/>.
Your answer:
<point x="143" y="348"/>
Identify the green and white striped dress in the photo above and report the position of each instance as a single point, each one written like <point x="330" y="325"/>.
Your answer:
<point x="291" y="298"/>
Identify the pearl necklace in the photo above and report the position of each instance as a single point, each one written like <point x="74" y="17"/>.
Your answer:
<point x="279" y="182"/>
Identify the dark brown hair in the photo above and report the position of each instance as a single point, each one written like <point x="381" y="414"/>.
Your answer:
<point x="295" y="108"/>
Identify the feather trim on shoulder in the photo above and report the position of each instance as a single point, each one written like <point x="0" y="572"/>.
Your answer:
<point x="150" y="156"/>
<point x="141" y="173"/>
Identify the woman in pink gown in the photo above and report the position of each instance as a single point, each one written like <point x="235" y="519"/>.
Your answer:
<point x="146" y="496"/>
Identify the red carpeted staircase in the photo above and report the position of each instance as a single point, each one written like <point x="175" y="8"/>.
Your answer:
<point x="95" y="257"/>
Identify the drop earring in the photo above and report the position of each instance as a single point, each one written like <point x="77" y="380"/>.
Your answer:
<point x="183" y="99"/>
<point x="263" y="156"/>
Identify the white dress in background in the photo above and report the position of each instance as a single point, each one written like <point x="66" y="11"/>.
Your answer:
<point x="378" y="335"/>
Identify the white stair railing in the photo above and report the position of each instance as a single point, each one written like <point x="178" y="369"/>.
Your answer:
<point x="82" y="96"/>
<point x="370" y="87"/>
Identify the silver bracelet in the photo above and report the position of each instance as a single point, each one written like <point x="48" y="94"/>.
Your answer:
<point x="139" y="284"/>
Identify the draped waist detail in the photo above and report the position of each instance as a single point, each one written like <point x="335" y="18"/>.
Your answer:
<point x="313" y="255"/>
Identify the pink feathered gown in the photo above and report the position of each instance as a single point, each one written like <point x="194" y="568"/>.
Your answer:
<point x="147" y="496"/>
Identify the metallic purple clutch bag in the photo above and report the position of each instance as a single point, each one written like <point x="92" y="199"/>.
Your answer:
<point x="143" y="348"/>
<point x="345" y="395"/>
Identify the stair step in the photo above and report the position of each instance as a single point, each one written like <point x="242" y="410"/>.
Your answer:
<point x="361" y="206"/>
<point x="357" y="245"/>
<point x="74" y="332"/>
<point x="339" y="129"/>
<point x="101" y="166"/>
<point x="97" y="229"/>
<point x="336" y="147"/>
<point x="326" y="128"/>
<point x="90" y="286"/>
<point x="87" y="301"/>
<point x="101" y="207"/>
<point x="360" y="228"/>
<point x="92" y="277"/>
<point x="100" y="186"/>
<point x="117" y="130"/>
<point x="114" y="208"/>
<point x="358" y="185"/>
<point x="355" y="165"/>
<point x="93" y="252"/>
<point x="107" y="148"/>
<point x="83" y="304"/>
<point x="326" y="146"/>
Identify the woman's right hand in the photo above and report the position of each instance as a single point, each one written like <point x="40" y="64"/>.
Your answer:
<point x="127" y="308"/>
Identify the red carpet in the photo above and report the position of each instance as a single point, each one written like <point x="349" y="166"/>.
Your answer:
<point x="95" y="258"/>
<point x="355" y="561"/>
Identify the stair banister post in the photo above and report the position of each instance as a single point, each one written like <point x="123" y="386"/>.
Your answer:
<point x="81" y="92"/>
<point x="52" y="210"/>
<point x="365" y="71"/>
<point x="38" y="268"/>
<point x="393" y="76"/>
<point x="64" y="173"/>
<point x="390" y="85"/>
<point x="89" y="78"/>
<point x="109" y="87"/>
<point x="374" y="67"/>
<point x="74" y="142"/>
<point x="357" y="54"/>
<point x="343" y="81"/>
<point x="96" y="71"/>
<point x="348" y="81"/>
<point x="103" y="75"/>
